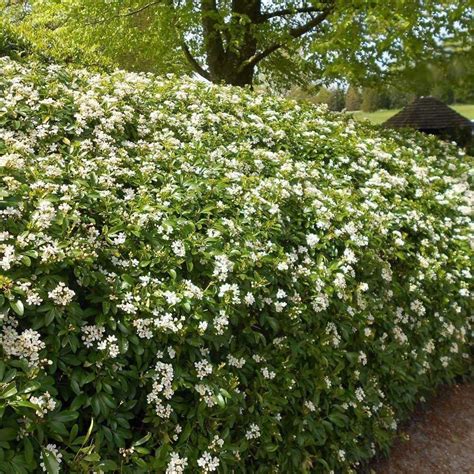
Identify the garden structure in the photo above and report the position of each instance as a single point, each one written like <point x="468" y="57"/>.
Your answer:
<point x="430" y="115"/>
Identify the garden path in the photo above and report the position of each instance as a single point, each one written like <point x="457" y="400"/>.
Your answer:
<point x="441" y="437"/>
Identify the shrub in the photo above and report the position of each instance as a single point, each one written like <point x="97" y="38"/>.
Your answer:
<point x="200" y="278"/>
<point x="11" y="43"/>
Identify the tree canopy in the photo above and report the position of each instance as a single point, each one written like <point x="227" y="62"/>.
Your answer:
<point x="241" y="42"/>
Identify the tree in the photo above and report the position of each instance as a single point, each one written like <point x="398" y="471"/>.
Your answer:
<point x="353" y="99"/>
<point x="230" y="41"/>
<point x="337" y="101"/>
<point x="370" y="99"/>
<point x="324" y="96"/>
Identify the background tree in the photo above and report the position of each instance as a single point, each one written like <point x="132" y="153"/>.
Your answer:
<point x="338" y="96"/>
<point x="353" y="99"/>
<point x="370" y="99"/>
<point x="239" y="41"/>
<point x="324" y="96"/>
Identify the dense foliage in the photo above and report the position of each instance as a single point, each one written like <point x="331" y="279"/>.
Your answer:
<point x="285" y="42"/>
<point x="13" y="44"/>
<point x="197" y="278"/>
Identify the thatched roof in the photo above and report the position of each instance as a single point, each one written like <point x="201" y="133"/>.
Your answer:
<point x="427" y="113"/>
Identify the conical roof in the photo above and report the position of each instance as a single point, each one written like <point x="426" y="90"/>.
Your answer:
<point x="427" y="113"/>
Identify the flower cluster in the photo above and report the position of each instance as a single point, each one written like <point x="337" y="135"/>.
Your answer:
<point x="61" y="294"/>
<point x="162" y="387"/>
<point x="176" y="465"/>
<point x="45" y="404"/>
<point x="200" y="278"/>
<point x="25" y="345"/>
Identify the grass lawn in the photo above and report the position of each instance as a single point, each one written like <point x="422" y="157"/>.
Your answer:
<point x="381" y="115"/>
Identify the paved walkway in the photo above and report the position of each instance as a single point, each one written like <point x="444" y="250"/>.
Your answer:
<point x="441" y="437"/>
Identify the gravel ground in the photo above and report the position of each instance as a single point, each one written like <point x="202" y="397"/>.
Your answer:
<point x="440" y="437"/>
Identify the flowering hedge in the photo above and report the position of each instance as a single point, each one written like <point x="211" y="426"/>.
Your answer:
<point x="197" y="278"/>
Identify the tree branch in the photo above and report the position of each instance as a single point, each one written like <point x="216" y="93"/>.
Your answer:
<point x="138" y="10"/>
<point x="124" y="15"/>
<point x="287" y="11"/>
<point x="193" y="62"/>
<point x="294" y="33"/>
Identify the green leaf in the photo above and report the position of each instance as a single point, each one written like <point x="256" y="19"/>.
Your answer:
<point x="29" y="454"/>
<point x="65" y="416"/>
<point x="89" y="431"/>
<point x="108" y="465"/>
<point x="24" y="403"/>
<point x="50" y="462"/>
<point x="8" y="434"/>
<point x="338" y="419"/>
<point x="142" y="440"/>
<point x="18" y="307"/>
<point x="78" y="401"/>
<point x="8" y="390"/>
<point x="31" y="387"/>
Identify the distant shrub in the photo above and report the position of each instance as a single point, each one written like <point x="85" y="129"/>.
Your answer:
<point x="197" y="278"/>
<point x="13" y="44"/>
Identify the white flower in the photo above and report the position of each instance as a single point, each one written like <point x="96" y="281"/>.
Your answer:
<point x="221" y="322"/>
<point x="417" y="307"/>
<point x="45" y="403"/>
<point x="206" y="393"/>
<point x="61" y="295"/>
<point x="91" y="334"/>
<point x="208" y="463"/>
<point x="268" y="374"/>
<point x="192" y="291"/>
<point x="202" y="326"/>
<point x="309" y="405"/>
<point x="162" y="388"/>
<point x="233" y="289"/>
<point x="26" y="345"/>
<point x="312" y="240"/>
<point x="176" y="464"/>
<point x="249" y="299"/>
<point x="280" y="306"/>
<point x="340" y="281"/>
<point x="234" y="362"/>
<point x="222" y="267"/>
<point x="360" y="394"/>
<point x="33" y="298"/>
<point x="362" y="358"/>
<point x="8" y="257"/>
<point x="387" y="274"/>
<point x="110" y="346"/>
<point x="281" y="294"/>
<point x="178" y="248"/>
<point x="203" y="368"/>
<point x="349" y="256"/>
<point x="44" y="214"/>
<point x="171" y="297"/>
<point x="253" y="432"/>
<point x="119" y="239"/>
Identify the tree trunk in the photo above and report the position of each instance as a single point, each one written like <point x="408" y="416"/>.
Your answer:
<point x="226" y="62"/>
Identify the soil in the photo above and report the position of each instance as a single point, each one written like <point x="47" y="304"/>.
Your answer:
<point x="439" y="439"/>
